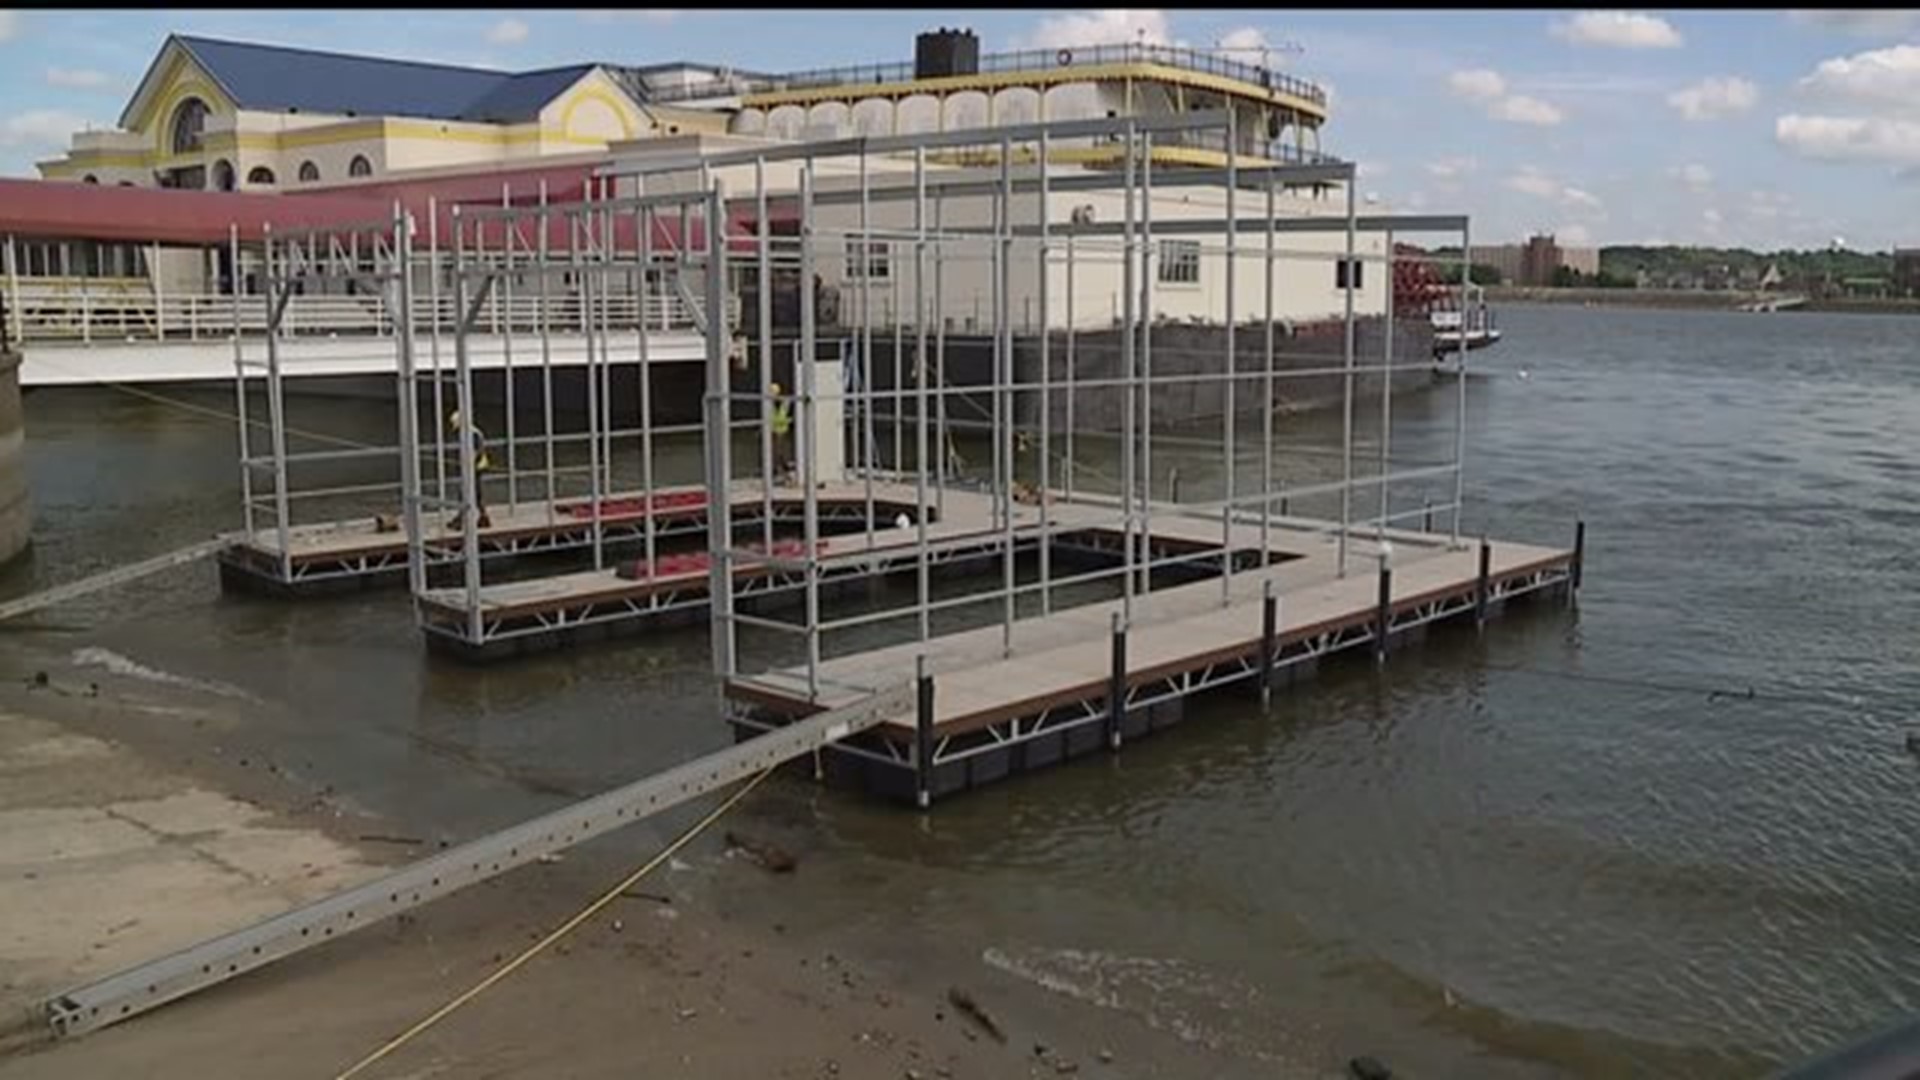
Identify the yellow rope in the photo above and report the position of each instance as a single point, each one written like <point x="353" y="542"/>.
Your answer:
<point x="565" y="928"/>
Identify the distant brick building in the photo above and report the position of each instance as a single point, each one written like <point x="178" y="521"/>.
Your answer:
<point x="1536" y="261"/>
<point x="1906" y="272"/>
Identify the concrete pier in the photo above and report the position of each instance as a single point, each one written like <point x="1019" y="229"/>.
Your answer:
<point x="16" y="514"/>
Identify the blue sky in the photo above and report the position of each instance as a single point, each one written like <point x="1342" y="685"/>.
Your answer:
<point x="1765" y="129"/>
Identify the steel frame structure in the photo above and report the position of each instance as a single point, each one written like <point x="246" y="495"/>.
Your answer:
<point x="585" y="263"/>
<point x="1027" y="239"/>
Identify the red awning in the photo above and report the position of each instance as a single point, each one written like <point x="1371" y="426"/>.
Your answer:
<point x="42" y="208"/>
<point x="49" y="209"/>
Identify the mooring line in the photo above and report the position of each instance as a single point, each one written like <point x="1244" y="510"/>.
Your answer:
<point x="564" y="929"/>
<point x="204" y="410"/>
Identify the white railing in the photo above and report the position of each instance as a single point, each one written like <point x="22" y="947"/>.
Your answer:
<point x="121" y="315"/>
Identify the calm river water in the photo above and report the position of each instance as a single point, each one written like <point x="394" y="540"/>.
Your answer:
<point x="1546" y="851"/>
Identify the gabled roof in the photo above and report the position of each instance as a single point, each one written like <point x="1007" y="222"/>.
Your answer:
<point x="521" y="97"/>
<point x="276" y="78"/>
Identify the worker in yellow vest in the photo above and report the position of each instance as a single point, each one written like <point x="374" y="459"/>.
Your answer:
<point x="782" y="425"/>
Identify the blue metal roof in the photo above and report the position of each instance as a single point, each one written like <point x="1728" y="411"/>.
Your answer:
<point x="277" y="78"/>
<point x="521" y="97"/>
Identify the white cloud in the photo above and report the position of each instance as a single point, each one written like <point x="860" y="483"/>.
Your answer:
<point x="1247" y="39"/>
<point x="41" y="127"/>
<point x="77" y="78"/>
<point x="1531" y="181"/>
<point x="1850" y="138"/>
<point x="1417" y="200"/>
<point x="1478" y="84"/>
<point x="1573" y="236"/>
<point x="1489" y="88"/>
<point x="1574" y="196"/>
<point x="1372" y="170"/>
<point x="1109" y="27"/>
<point x="1880" y="77"/>
<point x="9" y="24"/>
<point x="1618" y="29"/>
<point x="1521" y="109"/>
<point x="1450" y="168"/>
<point x="508" y="32"/>
<point x="1712" y="217"/>
<point x="1696" y="177"/>
<point x="1712" y="98"/>
<point x="1870" y="22"/>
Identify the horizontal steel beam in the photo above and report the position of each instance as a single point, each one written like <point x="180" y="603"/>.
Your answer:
<point x="1371" y="223"/>
<point x="86" y="586"/>
<point x="152" y="984"/>
<point x="1199" y="120"/>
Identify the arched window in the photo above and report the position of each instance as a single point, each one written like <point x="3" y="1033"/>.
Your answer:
<point x="223" y="175"/>
<point x="89" y="179"/>
<point x="360" y="166"/>
<point x="260" y="174"/>
<point x="189" y="123"/>
<point x="309" y="172"/>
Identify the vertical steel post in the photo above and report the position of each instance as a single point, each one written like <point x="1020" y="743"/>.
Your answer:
<point x="1346" y="429"/>
<point x="583" y="273"/>
<point x="1269" y="629"/>
<point x="804" y="377"/>
<point x="1005" y="419"/>
<point x="1044" y="482"/>
<point x="276" y="412"/>
<point x="868" y="452"/>
<point x="1149" y="272"/>
<point x="409" y="401"/>
<point x="1460" y="354"/>
<point x="1386" y="403"/>
<point x="922" y="571"/>
<point x="433" y="346"/>
<point x="239" y="380"/>
<point x="1130" y="383"/>
<point x="941" y="435"/>
<point x="508" y="227"/>
<point x="1117" y="683"/>
<point x="1066" y="475"/>
<point x="643" y="252"/>
<point x="544" y="298"/>
<point x="720" y="436"/>
<point x="463" y="400"/>
<point x="1229" y="442"/>
<point x="1383" y="620"/>
<point x="764" y="263"/>
<point x="923" y="732"/>
<point x="1579" y="564"/>
<point x="1266" y="399"/>
<point x="1482" y="584"/>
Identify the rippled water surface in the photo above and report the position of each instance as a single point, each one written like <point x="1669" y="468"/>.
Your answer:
<point x="1548" y="850"/>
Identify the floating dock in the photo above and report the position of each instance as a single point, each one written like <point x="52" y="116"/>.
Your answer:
<point x="988" y="710"/>
<point x="371" y="551"/>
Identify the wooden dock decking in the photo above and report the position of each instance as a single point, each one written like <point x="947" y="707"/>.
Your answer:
<point x="994" y="704"/>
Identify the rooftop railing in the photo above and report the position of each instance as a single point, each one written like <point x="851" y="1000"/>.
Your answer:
<point x="1198" y="60"/>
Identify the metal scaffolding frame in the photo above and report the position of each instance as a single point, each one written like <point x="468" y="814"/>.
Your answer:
<point x="836" y="202"/>
<point x="577" y="267"/>
<point x="282" y="495"/>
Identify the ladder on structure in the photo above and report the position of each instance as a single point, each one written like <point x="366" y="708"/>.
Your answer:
<point x="73" y="590"/>
<point x="157" y="982"/>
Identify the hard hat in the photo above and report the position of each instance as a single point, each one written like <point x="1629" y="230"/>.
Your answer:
<point x="453" y="418"/>
<point x="774" y="389"/>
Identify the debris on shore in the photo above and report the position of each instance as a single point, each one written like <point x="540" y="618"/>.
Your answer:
<point x="971" y="1009"/>
<point x="773" y="859"/>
